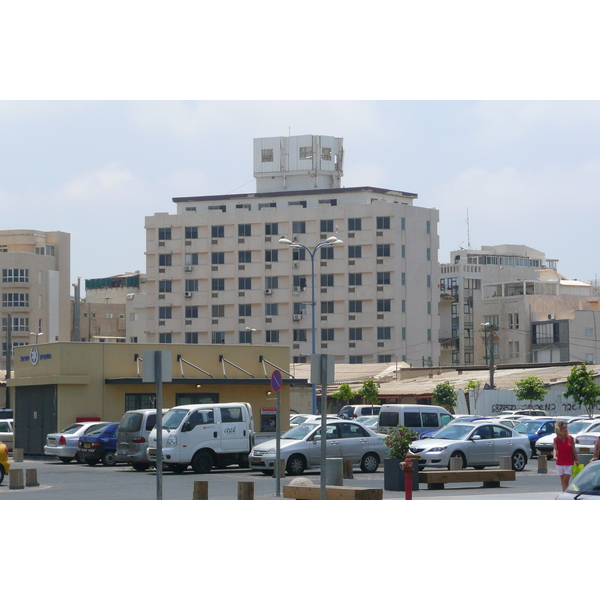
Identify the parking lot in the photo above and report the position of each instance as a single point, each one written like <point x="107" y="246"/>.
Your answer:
<point x="58" y="481"/>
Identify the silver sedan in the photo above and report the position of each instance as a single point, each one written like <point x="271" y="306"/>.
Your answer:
<point x="63" y="444"/>
<point x="478" y="444"/>
<point x="300" y="447"/>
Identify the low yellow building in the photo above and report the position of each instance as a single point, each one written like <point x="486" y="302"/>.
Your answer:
<point x="60" y="383"/>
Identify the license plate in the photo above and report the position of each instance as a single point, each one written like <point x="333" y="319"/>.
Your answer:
<point x="51" y="442"/>
<point x="152" y="451"/>
<point x="87" y="445"/>
<point x="584" y="450"/>
<point x="256" y="460"/>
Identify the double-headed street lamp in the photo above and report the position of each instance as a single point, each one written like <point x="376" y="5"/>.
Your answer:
<point x="331" y="241"/>
<point x="37" y="335"/>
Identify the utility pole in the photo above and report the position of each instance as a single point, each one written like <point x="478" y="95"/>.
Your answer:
<point x="8" y="356"/>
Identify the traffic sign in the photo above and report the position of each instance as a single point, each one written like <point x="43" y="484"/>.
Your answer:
<point x="276" y="381"/>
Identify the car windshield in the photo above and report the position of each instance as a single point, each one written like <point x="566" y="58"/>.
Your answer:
<point x="300" y="432"/>
<point x="72" y="428"/>
<point x="454" y="431"/>
<point x="173" y="418"/>
<point x="528" y="427"/>
<point x="577" y="427"/>
<point x="588" y="481"/>
<point x="131" y="422"/>
<point x="595" y="427"/>
<point x="95" y="428"/>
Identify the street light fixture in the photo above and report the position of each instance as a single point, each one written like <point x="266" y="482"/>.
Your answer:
<point x="37" y="335"/>
<point x="330" y="241"/>
<point x="250" y="330"/>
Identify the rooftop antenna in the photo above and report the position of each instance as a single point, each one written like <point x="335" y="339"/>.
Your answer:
<point x="468" y="232"/>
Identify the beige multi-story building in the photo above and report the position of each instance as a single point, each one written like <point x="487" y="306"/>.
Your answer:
<point x="35" y="268"/>
<point x="217" y="272"/>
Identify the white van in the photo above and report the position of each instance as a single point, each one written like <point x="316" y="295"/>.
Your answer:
<point x="132" y="437"/>
<point x="418" y="417"/>
<point x="205" y="436"/>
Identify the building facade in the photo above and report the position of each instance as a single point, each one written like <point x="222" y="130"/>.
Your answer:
<point x="35" y="269"/>
<point x="217" y="272"/>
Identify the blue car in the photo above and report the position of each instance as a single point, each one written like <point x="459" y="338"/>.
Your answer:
<point x="534" y="429"/>
<point x="101" y="446"/>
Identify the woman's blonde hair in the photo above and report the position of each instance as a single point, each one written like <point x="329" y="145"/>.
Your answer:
<point x="557" y="426"/>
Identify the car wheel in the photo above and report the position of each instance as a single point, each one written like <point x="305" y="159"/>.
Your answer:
<point x="296" y="464"/>
<point x="266" y="472"/>
<point x="479" y="467"/>
<point x="91" y="461"/>
<point x="177" y="468"/>
<point x="202" y="462"/>
<point x="369" y="463"/>
<point x="519" y="460"/>
<point x="109" y="459"/>
<point x="66" y="459"/>
<point x="1" y="473"/>
<point x="461" y="456"/>
<point x="79" y="458"/>
<point x="141" y="466"/>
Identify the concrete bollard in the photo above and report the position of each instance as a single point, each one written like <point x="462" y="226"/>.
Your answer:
<point x="281" y="468"/>
<point x="31" y="478"/>
<point x="348" y="469"/>
<point x="505" y="463"/>
<point x="245" y="490"/>
<point x="542" y="463"/>
<point x="335" y="471"/>
<point x="456" y="463"/>
<point x="585" y="457"/>
<point x="200" y="490"/>
<point x="16" y="479"/>
<point x="17" y="454"/>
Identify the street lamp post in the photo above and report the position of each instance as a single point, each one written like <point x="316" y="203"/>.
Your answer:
<point x="331" y="241"/>
<point x="37" y="335"/>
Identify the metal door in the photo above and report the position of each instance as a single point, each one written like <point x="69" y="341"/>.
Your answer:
<point x="35" y="417"/>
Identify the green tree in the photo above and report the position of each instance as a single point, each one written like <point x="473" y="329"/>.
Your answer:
<point x="530" y="388"/>
<point x="472" y="391"/>
<point x="445" y="395"/>
<point x="344" y="394"/>
<point x="370" y="392"/>
<point x="581" y="385"/>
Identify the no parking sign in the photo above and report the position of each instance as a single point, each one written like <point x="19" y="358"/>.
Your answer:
<point x="276" y="381"/>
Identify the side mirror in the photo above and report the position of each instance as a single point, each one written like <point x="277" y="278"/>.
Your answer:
<point x="475" y="437"/>
<point x="317" y="438"/>
<point x="187" y="427"/>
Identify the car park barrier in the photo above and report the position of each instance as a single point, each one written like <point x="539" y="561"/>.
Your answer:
<point x="200" y="490"/>
<point x="505" y="462"/>
<point x="436" y="480"/>
<point x="332" y="492"/>
<point x="348" y="469"/>
<point x="16" y="479"/>
<point x="31" y="478"/>
<point x="542" y="464"/>
<point x="17" y="454"/>
<point x="334" y="471"/>
<point x="245" y="490"/>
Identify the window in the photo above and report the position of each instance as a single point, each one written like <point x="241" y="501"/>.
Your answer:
<point x="327" y="335"/>
<point x="191" y="337"/>
<point x="513" y="320"/>
<point x="355" y="360"/>
<point x="383" y="250"/>
<point x="164" y="338"/>
<point x="325" y="153"/>
<point x="384" y="358"/>
<point x="403" y="305"/>
<point x="298" y="227"/>
<point x="271" y="309"/>
<point x="355" y="334"/>
<point x="298" y="254"/>
<point x="217" y="231"/>
<point x="326" y="225"/>
<point x="165" y="260"/>
<point x="244" y="256"/>
<point x="165" y="312"/>
<point x="244" y="283"/>
<point x="354" y="278"/>
<point x="384" y="278"/>
<point x="218" y="310"/>
<point x="271" y="255"/>
<point x="191" y="259"/>
<point x="9" y="300"/>
<point x="191" y="312"/>
<point x="299" y="335"/>
<point x="217" y="284"/>
<point x="191" y="233"/>
<point x="306" y="152"/>
<point x="245" y="337"/>
<point x="383" y="222"/>
<point x="355" y="306"/>
<point x="384" y="305"/>
<point x="403" y="278"/>
<point x="326" y="279"/>
<point x="354" y="224"/>
<point x="217" y="337"/>
<point x="17" y="324"/>
<point x="300" y="282"/>
<point x="272" y="283"/>
<point x="492" y="320"/>
<point x="428" y="307"/>
<point x="218" y="258"/>
<point x="403" y="251"/>
<point x="427" y="226"/>
<point x="513" y="349"/>
<point x="271" y="228"/>
<point x="191" y="285"/>
<point x="428" y="253"/>
<point x="327" y="308"/>
<point x="272" y="336"/>
<point x="266" y="155"/>
<point x="15" y="275"/>
<point x="326" y="253"/>
<point x="244" y="229"/>
<point x="245" y="310"/>
<point x="354" y="251"/>
<point x="384" y="333"/>
<point x="165" y="286"/>
<point x="164" y="233"/>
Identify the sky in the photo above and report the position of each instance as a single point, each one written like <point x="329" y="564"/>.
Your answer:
<point x="499" y="172"/>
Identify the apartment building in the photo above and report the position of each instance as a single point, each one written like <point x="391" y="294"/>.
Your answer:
<point x="461" y="285"/>
<point x="217" y="272"/>
<point x="35" y="290"/>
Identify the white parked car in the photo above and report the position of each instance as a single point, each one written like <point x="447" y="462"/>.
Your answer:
<point x="305" y="418"/>
<point x="300" y="447"/>
<point x="63" y="444"/>
<point x="584" y="442"/>
<point x="479" y="444"/>
<point x="545" y="445"/>
<point x="369" y="421"/>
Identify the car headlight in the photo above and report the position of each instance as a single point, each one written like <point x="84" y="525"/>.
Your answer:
<point x="438" y="449"/>
<point x="171" y="441"/>
<point x="271" y="451"/>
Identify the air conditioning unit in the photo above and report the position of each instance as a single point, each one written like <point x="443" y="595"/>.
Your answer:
<point x="187" y="294"/>
<point x="268" y="292"/>
<point x="188" y="268"/>
<point x="297" y="317"/>
<point x="297" y="288"/>
<point x="296" y="265"/>
<point x="551" y="317"/>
